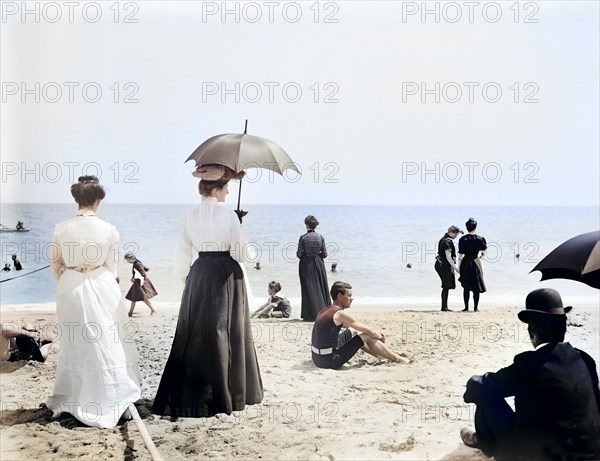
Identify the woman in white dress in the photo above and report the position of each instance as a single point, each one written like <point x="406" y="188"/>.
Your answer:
<point x="97" y="376"/>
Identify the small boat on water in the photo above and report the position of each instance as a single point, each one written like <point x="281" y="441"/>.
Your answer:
<point x="14" y="229"/>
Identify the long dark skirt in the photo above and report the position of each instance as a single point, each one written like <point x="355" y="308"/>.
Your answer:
<point x="313" y="282"/>
<point x="471" y="276"/>
<point x="212" y="367"/>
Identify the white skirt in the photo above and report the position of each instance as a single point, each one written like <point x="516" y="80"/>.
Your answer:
<point x="97" y="375"/>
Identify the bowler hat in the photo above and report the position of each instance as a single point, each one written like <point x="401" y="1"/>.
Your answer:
<point x="543" y="302"/>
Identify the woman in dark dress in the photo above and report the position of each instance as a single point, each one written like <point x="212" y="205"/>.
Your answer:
<point x="313" y="277"/>
<point x="470" y="249"/>
<point x="212" y="367"/>
<point x="140" y="290"/>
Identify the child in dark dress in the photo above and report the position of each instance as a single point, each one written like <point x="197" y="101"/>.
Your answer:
<point x="139" y="291"/>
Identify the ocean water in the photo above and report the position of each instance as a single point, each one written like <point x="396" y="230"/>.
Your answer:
<point x="372" y="245"/>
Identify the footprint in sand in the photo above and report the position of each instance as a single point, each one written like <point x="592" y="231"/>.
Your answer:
<point x="393" y="447"/>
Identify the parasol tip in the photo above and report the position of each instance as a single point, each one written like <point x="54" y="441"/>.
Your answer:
<point x="246" y="127"/>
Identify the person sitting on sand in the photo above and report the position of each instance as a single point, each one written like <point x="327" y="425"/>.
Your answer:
<point x="277" y="306"/>
<point x="557" y="401"/>
<point x="19" y="343"/>
<point x="6" y="267"/>
<point x="333" y="346"/>
<point x="17" y="263"/>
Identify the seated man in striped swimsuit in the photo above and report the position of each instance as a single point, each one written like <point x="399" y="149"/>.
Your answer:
<point x="332" y="346"/>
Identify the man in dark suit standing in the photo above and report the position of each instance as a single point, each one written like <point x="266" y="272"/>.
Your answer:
<point x="557" y="400"/>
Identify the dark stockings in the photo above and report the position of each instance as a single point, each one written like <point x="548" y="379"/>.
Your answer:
<point x="445" y="292"/>
<point x="466" y="294"/>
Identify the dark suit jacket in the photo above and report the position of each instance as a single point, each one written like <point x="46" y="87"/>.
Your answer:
<point x="557" y="402"/>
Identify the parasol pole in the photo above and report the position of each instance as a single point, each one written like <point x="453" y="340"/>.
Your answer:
<point x="240" y="189"/>
<point x="238" y="211"/>
<point x="239" y="195"/>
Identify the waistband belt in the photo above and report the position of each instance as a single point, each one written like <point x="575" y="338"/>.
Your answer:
<point x="212" y="254"/>
<point x="327" y="351"/>
<point x="83" y="269"/>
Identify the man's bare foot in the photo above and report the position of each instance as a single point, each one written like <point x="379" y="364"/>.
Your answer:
<point x="402" y="358"/>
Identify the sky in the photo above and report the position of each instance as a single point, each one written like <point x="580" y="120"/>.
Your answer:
<point x="407" y="103"/>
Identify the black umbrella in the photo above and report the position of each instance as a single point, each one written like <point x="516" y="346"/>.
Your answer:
<point x="576" y="259"/>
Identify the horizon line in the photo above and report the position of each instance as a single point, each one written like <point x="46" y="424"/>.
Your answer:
<point x="316" y="204"/>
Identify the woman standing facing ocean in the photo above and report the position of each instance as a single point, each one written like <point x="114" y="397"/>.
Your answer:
<point x="470" y="249"/>
<point x="313" y="276"/>
<point x="212" y="367"/>
<point x="97" y="375"/>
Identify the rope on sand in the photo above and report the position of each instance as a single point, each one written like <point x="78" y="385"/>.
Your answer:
<point x="154" y="454"/>
<point x="23" y="275"/>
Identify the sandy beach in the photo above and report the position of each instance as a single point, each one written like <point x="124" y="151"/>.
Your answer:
<point x="370" y="409"/>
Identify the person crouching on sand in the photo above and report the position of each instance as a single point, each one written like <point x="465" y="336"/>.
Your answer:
<point x="333" y="346"/>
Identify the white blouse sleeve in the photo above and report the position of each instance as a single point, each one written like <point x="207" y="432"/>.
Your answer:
<point x="183" y="259"/>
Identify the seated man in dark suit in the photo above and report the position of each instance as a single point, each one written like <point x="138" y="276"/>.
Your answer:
<point x="557" y="401"/>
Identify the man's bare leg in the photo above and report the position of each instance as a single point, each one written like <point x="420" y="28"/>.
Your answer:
<point x="378" y="349"/>
<point x="4" y="349"/>
<point x="9" y="331"/>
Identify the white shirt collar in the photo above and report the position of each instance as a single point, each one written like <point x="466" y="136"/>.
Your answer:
<point x="210" y="200"/>
<point x="540" y="346"/>
<point x="85" y="213"/>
